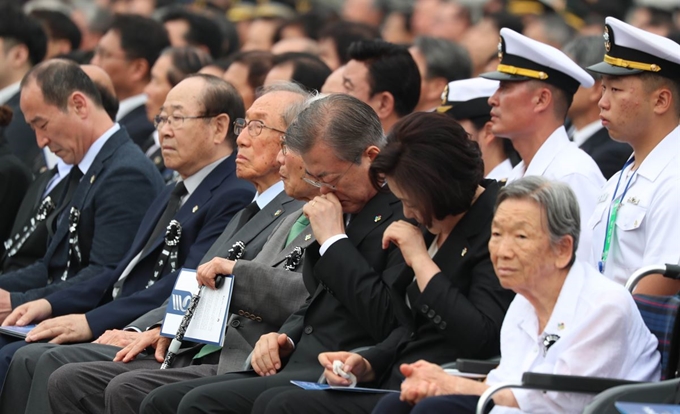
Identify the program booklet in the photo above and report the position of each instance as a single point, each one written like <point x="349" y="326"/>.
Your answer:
<point x="208" y="323"/>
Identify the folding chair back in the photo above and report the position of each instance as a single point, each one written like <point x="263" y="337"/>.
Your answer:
<point x="660" y="314"/>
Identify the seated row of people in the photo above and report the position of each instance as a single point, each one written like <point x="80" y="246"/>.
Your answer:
<point x="370" y="277"/>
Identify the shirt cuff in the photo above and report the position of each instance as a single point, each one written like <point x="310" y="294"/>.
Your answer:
<point x="328" y="243"/>
<point x="291" y="342"/>
<point x="132" y="329"/>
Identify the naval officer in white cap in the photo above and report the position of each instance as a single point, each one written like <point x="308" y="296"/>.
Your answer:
<point x="537" y="85"/>
<point x="466" y="101"/>
<point x="636" y="220"/>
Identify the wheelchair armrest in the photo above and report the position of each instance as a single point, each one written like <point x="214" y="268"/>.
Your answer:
<point x="474" y="366"/>
<point x="570" y="383"/>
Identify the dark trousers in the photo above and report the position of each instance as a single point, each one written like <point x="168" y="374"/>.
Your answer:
<point x="449" y="404"/>
<point x="294" y="400"/>
<point x="229" y="393"/>
<point x="8" y="346"/>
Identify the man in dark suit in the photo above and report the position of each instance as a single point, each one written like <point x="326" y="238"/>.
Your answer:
<point x="345" y="271"/>
<point x="127" y="51"/>
<point x="204" y="157"/>
<point x="23" y="44"/>
<point x="30" y="232"/>
<point x="112" y="183"/>
<point x="584" y="113"/>
<point x="259" y="145"/>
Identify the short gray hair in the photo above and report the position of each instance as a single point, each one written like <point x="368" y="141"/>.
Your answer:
<point x="344" y="123"/>
<point x="291" y="112"/>
<point x="586" y="51"/>
<point x="558" y="201"/>
<point x="444" y="58"/>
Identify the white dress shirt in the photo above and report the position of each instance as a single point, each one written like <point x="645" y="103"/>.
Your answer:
<point x="128" y="104"/>
<point x="647" y="223"/>
<point x="62" y="171"/>
<point x="501" y="172"/>
<point x="561" y="160"/>
<point x="601" y="334"/>
<point x="582" y="135"/>
<point x="9" y="91"/>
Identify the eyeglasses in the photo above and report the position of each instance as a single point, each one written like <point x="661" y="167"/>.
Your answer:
<point x="284" y="147"/>
<point x="175" y="121"/>
<point x="254" y="127"/>
<point x="320" y="184"/>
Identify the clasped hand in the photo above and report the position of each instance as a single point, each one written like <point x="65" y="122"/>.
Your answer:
<point x="325" y="216"/>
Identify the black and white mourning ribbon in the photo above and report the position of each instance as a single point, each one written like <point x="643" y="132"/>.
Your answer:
<point x="235" y="253"/>
<point x="168" y="256"/>
<point x="13" y="244"/>
<point x="74" y="257"/>
<point x="548" y="341"/>
<point x="294" y="259"/>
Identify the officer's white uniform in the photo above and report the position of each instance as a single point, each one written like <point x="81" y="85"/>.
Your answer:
<point x="647" y="226"/>
<point x="595" y="330"/>
<point x="559" y="159"/>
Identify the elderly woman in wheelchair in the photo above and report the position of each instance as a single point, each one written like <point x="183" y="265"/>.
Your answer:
<point x="565" y="319"/>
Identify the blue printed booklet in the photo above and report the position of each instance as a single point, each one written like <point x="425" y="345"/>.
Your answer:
<point x="316" y="386"/>
<point x="644" y="408"/>
<point x="16" y="331"/>
<point x="208" y="323"/>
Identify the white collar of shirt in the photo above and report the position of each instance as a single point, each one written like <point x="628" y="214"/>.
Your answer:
<point x="62" y="171"/>
<point x="192" y="182"/>
<point x="91" y="153"/>
<point x="550" y="149"/>
<point x="501" y="171"/>
<point x="582" y="135"/>
<point x="128" y="104"/>
<point x="9" y="91"/>
<point x="661" y="155"/>
<point x="565" y="308"/>
<point x="268" y="195"/>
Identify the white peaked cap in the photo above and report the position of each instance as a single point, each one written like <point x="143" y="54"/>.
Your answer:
<point x="629" y="51"/>
<point x="522" y="58"/>
<point x="467" y="98"/>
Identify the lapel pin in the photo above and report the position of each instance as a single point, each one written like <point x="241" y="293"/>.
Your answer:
<point x="634" y="200"/>
<point x="92" y="179"/>
<point x="377" y="218"/>
<point x="464" y="252"/>
<point x="277" y="213"/>
<point x="560" y="326"/>
<point x="308" y="236"/>
<point x="195" y="209"/>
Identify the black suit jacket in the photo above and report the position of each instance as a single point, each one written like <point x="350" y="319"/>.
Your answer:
<point x="34" y="248"/>
<point x="203" y="216"/>
<point x="350" y="304"/>
<point x="112" y="198"/>
<point x="461" y="310"/>
<point x="607" y="153"/>
<point x="137" y="125"/>
<point x="21" y="138"/>
<point x="15" y="178"/>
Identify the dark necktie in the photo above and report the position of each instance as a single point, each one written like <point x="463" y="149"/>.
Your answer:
<point x="248" y="213"/>
<point x="173" y="205"/>
<point x="71" y="185"/>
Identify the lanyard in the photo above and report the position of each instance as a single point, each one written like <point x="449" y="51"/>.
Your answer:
<point x="612" y="214"/>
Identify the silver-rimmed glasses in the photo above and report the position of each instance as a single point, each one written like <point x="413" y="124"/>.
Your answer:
<point x="254" y="127"/>
<point x="175" y="121"/>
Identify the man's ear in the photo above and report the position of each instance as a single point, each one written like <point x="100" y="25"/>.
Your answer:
<point x="372" y="152"/>
<point x="80" y="104"/>
<point x="18" y="56"/>
<point x="663" y="100"/>
<point x="138" y="70"/>
<point x="542" y="100"/>
<point x="221" y="125"/>
<point x="385" y="104"/>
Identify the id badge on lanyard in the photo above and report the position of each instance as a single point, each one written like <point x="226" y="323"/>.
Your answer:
<point x="611" y="216"/>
